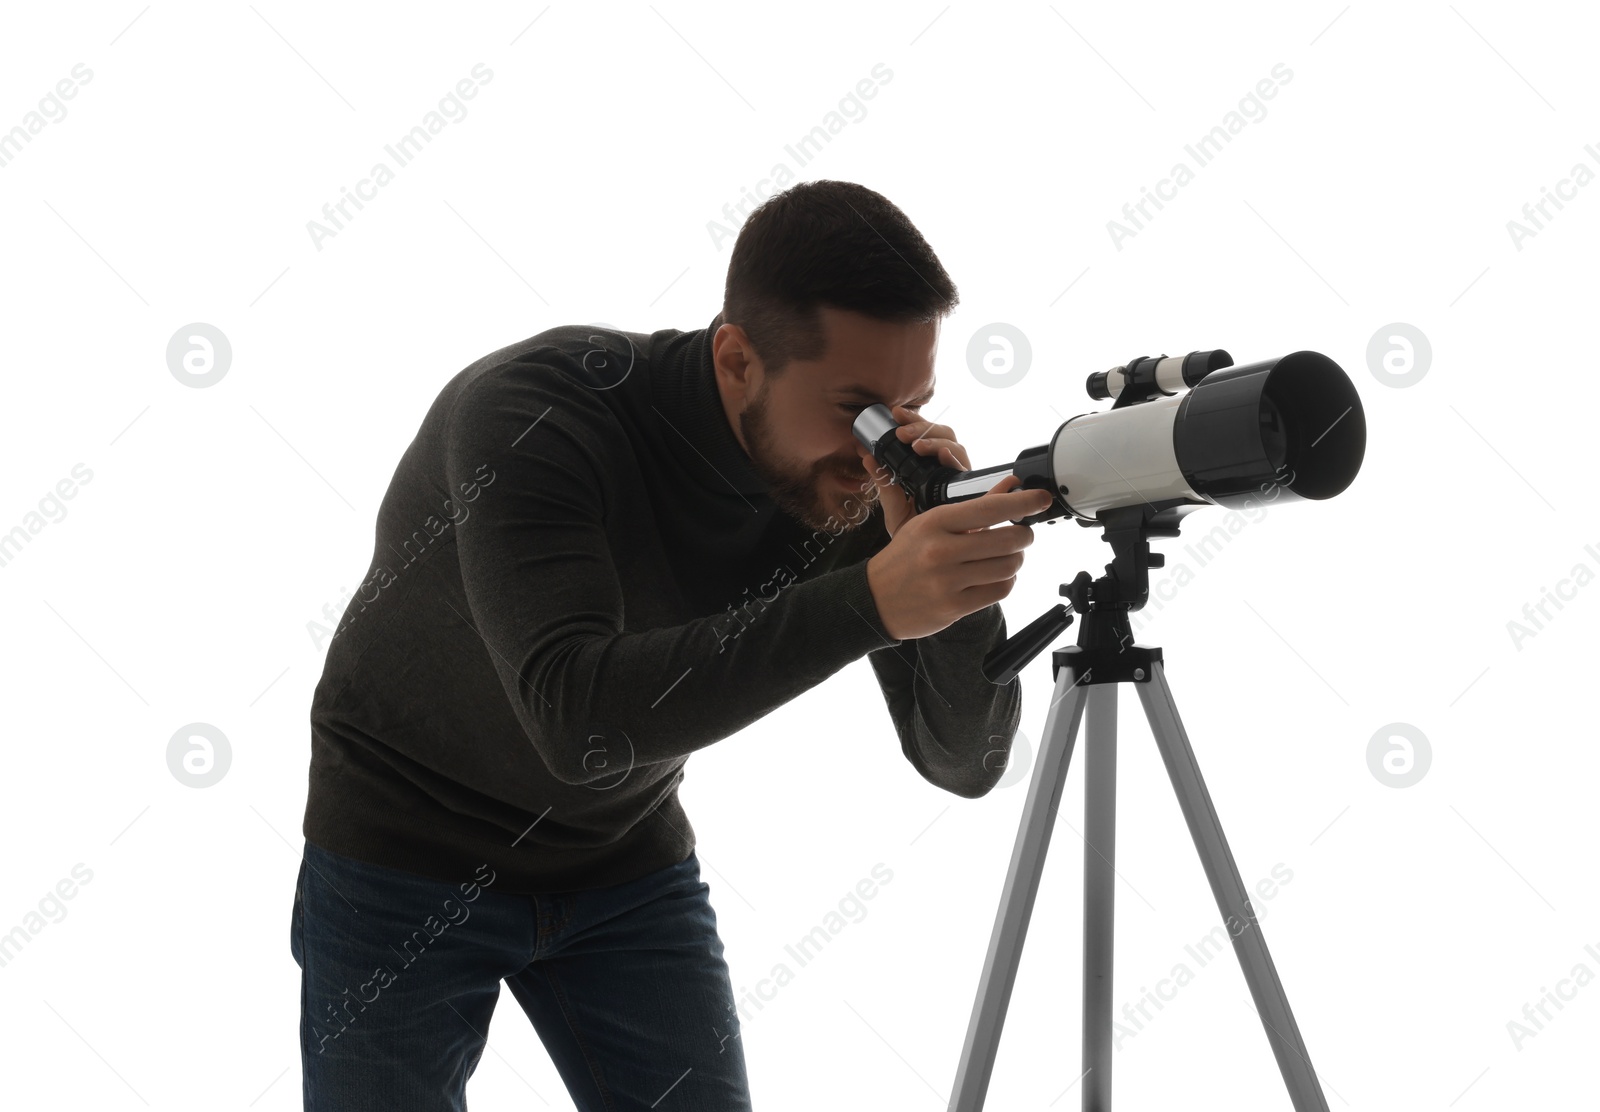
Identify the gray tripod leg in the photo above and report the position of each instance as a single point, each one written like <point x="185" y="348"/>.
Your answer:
<point x="1233" y="900"/>
<point x="1016" y="898"/>
<point x="1099" y="892"/>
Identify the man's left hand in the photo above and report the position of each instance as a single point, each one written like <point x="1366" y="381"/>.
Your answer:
<point x="927" y="439"/>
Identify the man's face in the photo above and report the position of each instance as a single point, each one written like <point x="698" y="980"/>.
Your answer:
<point x="796" y="428"/>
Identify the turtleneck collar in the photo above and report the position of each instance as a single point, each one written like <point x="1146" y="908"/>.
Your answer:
<point x="684" y="393"/>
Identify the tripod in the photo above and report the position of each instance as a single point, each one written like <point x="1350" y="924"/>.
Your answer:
<point x="1087" y="675"/>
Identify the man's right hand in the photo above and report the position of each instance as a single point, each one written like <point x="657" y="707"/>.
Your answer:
<point x="947" y="562"/>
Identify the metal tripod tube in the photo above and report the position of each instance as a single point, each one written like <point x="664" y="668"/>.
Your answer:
<point x="1233" y="900"/>
<point x="1099" y="892"/>
<point x="1017" y="896"/>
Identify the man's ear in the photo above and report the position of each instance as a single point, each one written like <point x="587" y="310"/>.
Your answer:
<point x="736" y="365"/>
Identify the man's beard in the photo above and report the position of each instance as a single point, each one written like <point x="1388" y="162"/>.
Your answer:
<point x="801" y="494"/>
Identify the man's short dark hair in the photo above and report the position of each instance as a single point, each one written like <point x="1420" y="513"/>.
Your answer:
<point x="830" y="243"/>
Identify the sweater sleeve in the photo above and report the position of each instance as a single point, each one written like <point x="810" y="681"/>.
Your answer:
<point x="955" y="726"/>
<point x="545" y="597"/>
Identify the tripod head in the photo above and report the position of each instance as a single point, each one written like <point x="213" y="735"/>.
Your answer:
<point x="1103" y="603"/>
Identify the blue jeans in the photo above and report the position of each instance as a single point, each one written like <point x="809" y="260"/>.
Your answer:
<point x="626" y="987"/>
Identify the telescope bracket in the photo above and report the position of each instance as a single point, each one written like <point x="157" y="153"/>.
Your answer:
<point x="1105" y="652"/>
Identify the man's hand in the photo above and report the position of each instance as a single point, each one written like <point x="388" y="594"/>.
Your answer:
<point x="947" y="563"/>
<point x="924" y="437"/>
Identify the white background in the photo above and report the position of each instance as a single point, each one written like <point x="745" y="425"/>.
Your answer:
<point x="218" y="522"/>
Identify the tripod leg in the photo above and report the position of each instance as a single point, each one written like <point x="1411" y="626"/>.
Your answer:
<point x="1233" y="900"/>
<point x="1099" y="892"/>
<point x="1016" y="898"/>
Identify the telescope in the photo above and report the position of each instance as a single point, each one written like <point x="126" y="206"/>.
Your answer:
<point x="1182" y="432"/>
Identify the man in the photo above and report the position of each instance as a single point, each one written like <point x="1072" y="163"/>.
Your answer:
<point x="602" y="552"/>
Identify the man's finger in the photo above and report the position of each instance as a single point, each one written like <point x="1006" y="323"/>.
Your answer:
<point x="922" y="430"/>
<point x="1002" y="540"/>
<point x="991" y="509"/>
<point x="942" y="448"/>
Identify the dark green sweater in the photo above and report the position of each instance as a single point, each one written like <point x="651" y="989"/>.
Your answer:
<point x="577" y="581"/>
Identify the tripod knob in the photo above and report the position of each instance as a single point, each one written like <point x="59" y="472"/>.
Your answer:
<point x="1078" y="591"/>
